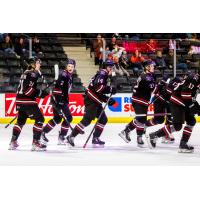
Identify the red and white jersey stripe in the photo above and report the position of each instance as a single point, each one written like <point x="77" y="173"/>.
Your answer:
<point x="140" y="101"/>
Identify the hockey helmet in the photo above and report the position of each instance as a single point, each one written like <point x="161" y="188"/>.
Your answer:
<point x="109" y="63"/>
<point x="69" y="61"/>
<point x="33" y="60"/>
<point x="146" y="63"/>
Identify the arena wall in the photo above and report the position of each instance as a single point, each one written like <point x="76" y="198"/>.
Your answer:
<point x="121" y="112"/>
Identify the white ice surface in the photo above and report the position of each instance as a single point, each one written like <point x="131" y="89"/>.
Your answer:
<point x="116" y="151"/>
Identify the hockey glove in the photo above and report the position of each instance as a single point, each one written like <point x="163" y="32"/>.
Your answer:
<point x="113" y="90"/>
<point x="194" y="108"/>
<point x="197" y="108"/>
<point x="111" y="102"/>
<point x="42" y="94"/>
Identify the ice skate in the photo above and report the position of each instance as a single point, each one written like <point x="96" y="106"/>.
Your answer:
<point x="38" y="146"/>
<point x="151" y="140"/>
<point x="61" y="139"/>
<point x="96" y="142"/>
<point x="44" y="140"/>
<point x="70" y="140"/>
<point x="140" y="142"/>
<point x="13" y="145"/>
<point x="185" y="148"/>
<point x="125" y="136"/>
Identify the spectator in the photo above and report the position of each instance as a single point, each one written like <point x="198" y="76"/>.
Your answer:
<point x="112" y="44"/>
<point x="98" y="47"/>
<point x="194" y="50"/>
<point x="170" y="62"/>
<point x="7" y="45"/>
<point x="36" y="47"/>
<point x="123" y="60"/>
<point x="160" y="61"/>
<point x="118" y="69"/>
<point x="151" y="46"/>
<point x="20" y="46"/>
<point x="108" y="54"/>
<point x="117" y="36"/>
<point x="117" y="51"/>
<point x="136" y="62"/>
<point x="194" y="37"/>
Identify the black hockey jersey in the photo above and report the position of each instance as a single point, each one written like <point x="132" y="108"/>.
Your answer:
<point x="142" y="91"/>
<point x="98" y="87"/>
<point x="62" y="87"/>
<point x="163" y="89"/>
<point x="185" y="92"/>
<point x="27" y="91"/>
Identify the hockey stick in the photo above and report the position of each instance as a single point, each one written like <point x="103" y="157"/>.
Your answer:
<point x="62" y="113"/>
<point x="97" y="121"/>
<point x="156" y="114"/>
<point x="56" y="69"/>
<point x="11" y="122"/>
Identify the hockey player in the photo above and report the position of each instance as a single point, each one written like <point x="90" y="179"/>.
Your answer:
<point x="60" y="101"/>
<point x="183" y="106"/>
<point x="27" y="107"/>
<point x="140" y="101"/>
<point x="95" y="96"/>
<point x="162" y="94"/>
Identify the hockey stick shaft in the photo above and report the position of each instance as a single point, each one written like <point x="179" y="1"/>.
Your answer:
<point x="96" y="122"/>
<point x="62" y="113"/>
<point x="11" y="122"/>
<point x="156" y="114"/>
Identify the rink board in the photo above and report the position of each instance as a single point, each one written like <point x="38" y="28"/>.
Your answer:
<point x="121" y="112"/>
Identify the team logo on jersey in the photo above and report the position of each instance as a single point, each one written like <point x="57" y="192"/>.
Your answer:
<point x="117" y="107"/>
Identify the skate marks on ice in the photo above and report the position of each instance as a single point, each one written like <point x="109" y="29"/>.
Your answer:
<point x="115" y="152"/>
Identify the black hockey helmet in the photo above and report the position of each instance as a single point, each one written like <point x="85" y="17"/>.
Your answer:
<point x="33" y="60"/>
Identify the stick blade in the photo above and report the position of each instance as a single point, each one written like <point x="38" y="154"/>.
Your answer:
<point x="56" y="69"/>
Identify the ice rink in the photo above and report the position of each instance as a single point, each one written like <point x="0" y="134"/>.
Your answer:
<point x="116" y="151"/>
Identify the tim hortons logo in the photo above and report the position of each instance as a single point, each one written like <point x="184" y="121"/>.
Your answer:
<point x="76" y="105"/>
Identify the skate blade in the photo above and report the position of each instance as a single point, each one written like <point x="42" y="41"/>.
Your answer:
<point x="61" y="144"/>
<point x="97" y="146"/>
<point x="185" y="151"/>
<point x="141" y="145"/>
<point x="124" y="138"/>
<point x="69" y="145"/>
<point x="168" y="142"/>
<point x="36" y="149"/>
<point x="12" y="149"/>
<point x="149" y="143"/>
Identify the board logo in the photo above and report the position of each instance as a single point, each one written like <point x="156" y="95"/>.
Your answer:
<point x="117" y="107"/>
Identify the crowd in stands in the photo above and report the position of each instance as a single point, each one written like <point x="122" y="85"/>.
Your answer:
<point x="129" y="53"/>
<point x="18" y="45"/>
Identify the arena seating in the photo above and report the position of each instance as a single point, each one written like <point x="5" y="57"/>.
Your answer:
<point x="11" y="66"/>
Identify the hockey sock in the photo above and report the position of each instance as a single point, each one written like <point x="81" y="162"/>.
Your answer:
<point x="98" y="130"/>
<point x="166" y="131"/>
<point x="64" y="128"/>
<point x="16" y="132"/>
<point x="37" y="131"/>
<point x="140" y="128"/>
<point x="140" y="132"/>
<point x="130" y="127"/>
<point x="77" y="130"/>
<point x="51" y="124"/>
<point x="187" y="131"/>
